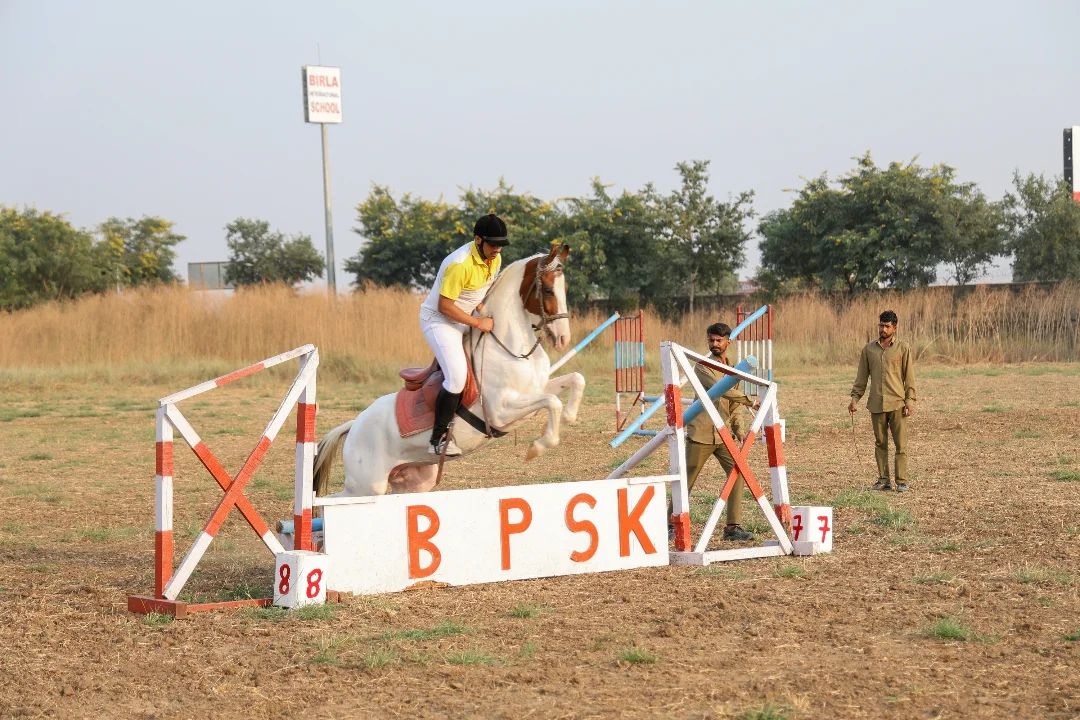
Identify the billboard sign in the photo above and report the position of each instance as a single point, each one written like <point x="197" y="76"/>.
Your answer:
<point x="322" y="94"/>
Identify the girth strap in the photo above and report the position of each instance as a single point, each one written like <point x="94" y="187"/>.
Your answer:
<point x="468" y="416"/>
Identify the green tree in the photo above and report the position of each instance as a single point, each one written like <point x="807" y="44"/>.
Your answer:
<point x="707" y="235"/>
<point x="260" y="255"/>
<point x="793" y="240"/>
<point x="138" y="252"/>
<point x="974" y="233"/>
<point x="880" y="227"/>
<point x="619" y="252"/>
<point x="43" y="257"/>
<point x="406" y="240"/>
<point x="1044" y="229"/>
<point x="532" y="223"/>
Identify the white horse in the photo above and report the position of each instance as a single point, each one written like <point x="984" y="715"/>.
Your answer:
<point x="512" y="371"/>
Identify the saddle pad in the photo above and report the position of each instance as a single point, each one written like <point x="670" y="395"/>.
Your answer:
<point x="415" y="409"/>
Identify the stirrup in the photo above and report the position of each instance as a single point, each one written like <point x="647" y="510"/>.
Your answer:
<point x="451" y="448"/>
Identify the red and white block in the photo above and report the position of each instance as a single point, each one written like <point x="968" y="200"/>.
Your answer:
<point x="300" y="578"/>
<point x="811" y="529"/>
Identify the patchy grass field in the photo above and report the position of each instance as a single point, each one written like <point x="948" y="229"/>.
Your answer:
<point x="960" y="599"/>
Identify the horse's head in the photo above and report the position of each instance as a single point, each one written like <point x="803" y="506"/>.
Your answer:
<point x="543" y="292"/>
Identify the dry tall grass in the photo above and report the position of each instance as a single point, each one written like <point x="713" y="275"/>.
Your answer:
<point x="369" y="335"/>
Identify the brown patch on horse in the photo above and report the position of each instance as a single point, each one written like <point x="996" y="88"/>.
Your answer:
<point x="530" y="298"/>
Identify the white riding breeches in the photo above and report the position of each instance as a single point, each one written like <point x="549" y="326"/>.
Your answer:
<point x="445" y="339"/>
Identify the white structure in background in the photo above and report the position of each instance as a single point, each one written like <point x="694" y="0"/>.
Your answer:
<point x="322" y="105"/>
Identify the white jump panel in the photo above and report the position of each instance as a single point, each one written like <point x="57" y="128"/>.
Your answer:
<point x="462" y="537"/>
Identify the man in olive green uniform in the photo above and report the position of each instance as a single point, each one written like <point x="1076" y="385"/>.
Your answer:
<point x="888" y="364"/>
<point x="702" y="439"/>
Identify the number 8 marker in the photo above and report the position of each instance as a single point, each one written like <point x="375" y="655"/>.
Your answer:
<point x="284" y="572"/>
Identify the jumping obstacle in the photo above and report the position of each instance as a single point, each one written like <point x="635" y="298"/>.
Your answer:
<point x="677" y="367"/>
<point x="584" y="341"/>
<point x="459" y="537"/>
<point x="634" y="427"/>
<point x="753" y="336"/>
<point x="630" y="372"/>
<point x="629" y="365"/>
<point x="167" y="583"/>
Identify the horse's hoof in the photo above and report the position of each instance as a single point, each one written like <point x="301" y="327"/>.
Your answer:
<point x="534" y="451"/>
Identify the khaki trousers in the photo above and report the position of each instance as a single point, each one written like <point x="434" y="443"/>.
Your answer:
<point x="696" y="455"/>
<point x="893" y="423"/>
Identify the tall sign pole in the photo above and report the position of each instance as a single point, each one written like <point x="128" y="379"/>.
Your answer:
<point x="322" y="105"/>
<point x="1072" y="160"/>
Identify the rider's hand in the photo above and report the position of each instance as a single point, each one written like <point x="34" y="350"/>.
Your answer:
<point x="851" y="407"/>
<point x="909" y="410"/>
<point x="485" y="324"/>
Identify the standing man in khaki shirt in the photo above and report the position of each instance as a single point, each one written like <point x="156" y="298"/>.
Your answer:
<point x="888" y="364"/>
<point x="702" y="440"/>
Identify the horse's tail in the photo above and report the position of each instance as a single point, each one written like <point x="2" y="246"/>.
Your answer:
<point x="325" y="453"/>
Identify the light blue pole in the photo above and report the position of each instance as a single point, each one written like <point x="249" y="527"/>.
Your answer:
<point x="285" y="527"/>
<point x="637" y="422"/>
<point x="747" y="365"/>
<point x="746" y="323"/>
<point x="585" y="341"/>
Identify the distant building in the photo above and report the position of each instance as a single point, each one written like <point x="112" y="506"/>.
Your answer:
<point x="208" y="276"/>
<point x="747" y="287"/>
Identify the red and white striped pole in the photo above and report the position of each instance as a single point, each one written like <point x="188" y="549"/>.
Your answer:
<point x="163" y="503"/>
<point x="676" y="442"/>
<point x="774" y="442"/>
<point x="305" y="455"/>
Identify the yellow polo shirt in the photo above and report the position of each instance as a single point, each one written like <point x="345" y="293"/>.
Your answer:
<point x="463" y="277"/>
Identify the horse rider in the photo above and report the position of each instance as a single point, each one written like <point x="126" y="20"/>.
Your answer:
<point x="464" y="278"/>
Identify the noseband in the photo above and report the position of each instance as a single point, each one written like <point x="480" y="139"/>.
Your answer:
<point x="554" y="266"/>
<point x="537" y="289"/>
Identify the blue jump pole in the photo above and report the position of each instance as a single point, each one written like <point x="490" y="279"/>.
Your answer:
<point x="585" y="341"/>
<point x="721" y="387"/>
<point x="746" y="323"/>
<point x="285" y="527"/>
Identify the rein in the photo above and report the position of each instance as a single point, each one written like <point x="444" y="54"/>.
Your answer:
<point x="537" y="285"/>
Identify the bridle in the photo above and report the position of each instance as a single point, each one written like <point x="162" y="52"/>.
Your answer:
<point x="556" y="267"/>
<point x="535" y="290"/>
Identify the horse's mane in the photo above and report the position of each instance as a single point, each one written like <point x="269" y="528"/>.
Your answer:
<point x="515" y="270"/>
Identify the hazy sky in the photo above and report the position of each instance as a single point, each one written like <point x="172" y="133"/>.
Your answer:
<point x="193" y="111"/>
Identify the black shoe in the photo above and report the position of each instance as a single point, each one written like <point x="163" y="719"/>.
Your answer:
<point x="884" y="485"/>
<point x="737" y="534"/>
<point x="901" y="487"/>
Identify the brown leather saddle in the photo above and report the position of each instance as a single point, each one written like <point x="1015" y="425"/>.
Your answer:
<point x="414" y="406"/>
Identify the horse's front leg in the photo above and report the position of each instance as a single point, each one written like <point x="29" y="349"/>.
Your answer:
<point x="513" y="408"/>
<point x="575" y="382"/>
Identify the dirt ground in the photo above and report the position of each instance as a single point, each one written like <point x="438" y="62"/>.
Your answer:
<point x="959" y="599"/>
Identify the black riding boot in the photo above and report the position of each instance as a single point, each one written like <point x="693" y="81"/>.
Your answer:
<point x="446" y="404"/>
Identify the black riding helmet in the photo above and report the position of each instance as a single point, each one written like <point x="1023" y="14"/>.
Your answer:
<point x="492" y="230"/>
